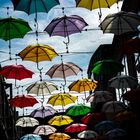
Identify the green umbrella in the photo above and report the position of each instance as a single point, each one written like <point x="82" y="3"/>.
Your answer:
<point x="107" y="67"/>
<point x="11" y="28"/>
<point x="77" y="110"/>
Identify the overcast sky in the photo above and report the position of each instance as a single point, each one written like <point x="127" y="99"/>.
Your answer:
<point x="86" y="41"/>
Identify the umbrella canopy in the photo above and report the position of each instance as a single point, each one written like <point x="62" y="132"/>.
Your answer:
<point x="41" y="88"/>
<point x="11" y="28"/>
<point x="31" y="137"/>
<point x="44" y="130"/>
<point x="132" y="95"/>
<point x="76" y="110"/>
<point x="38" y="53"/>
<point x="123" y="81"/>
<point x="65" y="26"/>
<point x="92" y="118"/>
<point x="131" y="46"/>
<point x="63" y="70"/>
<point x="60" y="120"/>
<point x="120" y="23"/>
<point x="107" y="67"/>
<point x="34" y="6"/>
<point x="17" y="72"/>
<point x="83" y="84"/>
<point x="104" y="126"/>
<point x="43" y="112"/>
<point x="27" y="122"/>
<point x="87" y="134"/>
<point x="61" y="99"/>
<point x="59" y="136"/>
<point x="75" y="127"/>
<point x="100" y="97"/>
<point x="93" y="4"/>
<point x="22" y="101"/>
<point x="116" y="133"/>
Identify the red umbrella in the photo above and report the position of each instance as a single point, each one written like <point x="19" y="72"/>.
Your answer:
<point x="92" y="118"/>
<point x="75" y="127"/>
<point x="22" y="101"/>
<point x="17" y="72"/>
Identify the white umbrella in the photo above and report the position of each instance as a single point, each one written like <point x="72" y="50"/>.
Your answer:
<point x="87" y="134"/>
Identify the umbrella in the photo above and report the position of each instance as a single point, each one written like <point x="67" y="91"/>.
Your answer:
<point x="87" y="134"/>
<point x="43" y="112"/>
<point x="120" y="23"/>
<point x="60" y="120"/>
<point x="116" y="133"/>
<point x="11" y="28"/>
<point x="63" y="70"/>
<point x="31" y="137"/>
<point x="22" y="101"/>
<point x="27" y="122"/>
<point x="132" y="95"/>
<point x="17" y="72"/>
<point x="100" y="97"/>
<point x="59" y="136"/>
<point x="61" y="99"/>
<point x="104" y="126"/>
<point x="41" y="87"/>
<point x="92" y="118"/>
<point x="123" y="81"/>
<point x="94" y="4"/>
<point x="107" y="67"/>
<point x="38" y="53"/>
<point x="131" y="46"/>
<point x="65" y="26"/>
<point x="76" y="110"/>
<point x="44" y="130"/>
<point x="75" y="127"/>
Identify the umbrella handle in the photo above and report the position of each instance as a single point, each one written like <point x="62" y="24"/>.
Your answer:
<point x="67" y="43"/>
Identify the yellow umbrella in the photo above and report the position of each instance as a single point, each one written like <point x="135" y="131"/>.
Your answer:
<point x="60" y="120"/>
<point x="38" y="53"/>
<point x="61" y="99"/>
<point x="59" y="136"/>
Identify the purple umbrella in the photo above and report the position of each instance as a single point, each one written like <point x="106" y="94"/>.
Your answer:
<point x="43" y="112"/>
<point x="65" y="26"/>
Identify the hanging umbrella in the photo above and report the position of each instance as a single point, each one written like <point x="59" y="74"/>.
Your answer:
<point x="27" y="122"/>
<point x="41" y="88"/>
<point x="83" y="85"/>
<point x="100" y="97"/>
<point x="63" y="70"/>
<point x="94" y="4"/>
<point x="87" y="134"/>
<point x="11" y="28"/>
<point x="60" y="120"/>
<point x="104" y="126"/>
<point x="132" y="95"/>
<point x="22" y="101"/>
<point x="17" y="72"/>
<point x="43" y="112"/>
<point x="131" y="46"/>
<point x="92" y="118"/>
<point x="44" y="130"/>
<point x="59" y="136"/>
<point x="76" y="110"/>
<point x="116" y="133"/>
<point x="75" y="127"/>
<point x="31" y="137"/>
<point x="38" y="53"/>
<point x="65" y="26"/>
<point x="34" y="6"/>
<point x="61" y="99"/>
<point x="107" y="67"/>
<point x="123" y="81"/>
<point x="120" y="23"/>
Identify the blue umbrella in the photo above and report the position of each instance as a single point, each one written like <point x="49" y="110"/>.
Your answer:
<point x="31" y="137"/>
